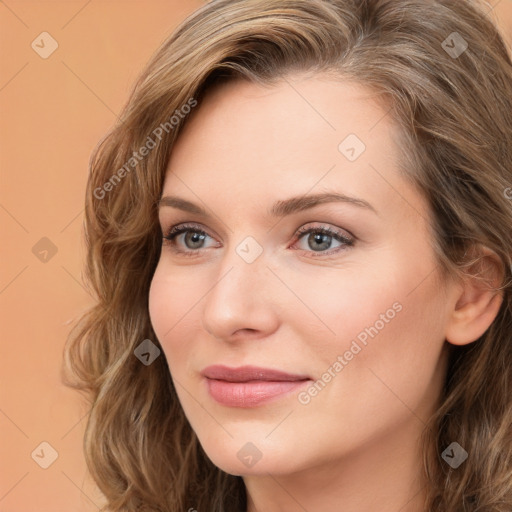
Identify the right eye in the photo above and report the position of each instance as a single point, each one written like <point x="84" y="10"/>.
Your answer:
<point x="193" y="239"/>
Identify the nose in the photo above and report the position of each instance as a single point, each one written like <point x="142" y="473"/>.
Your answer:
<point x="242" y="300"/>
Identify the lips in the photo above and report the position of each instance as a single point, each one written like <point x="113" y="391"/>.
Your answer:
<point x="248" y="373"/>
<point x="249" y="386"/>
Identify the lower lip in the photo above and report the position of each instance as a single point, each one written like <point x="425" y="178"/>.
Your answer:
<point x="250" y="394"/>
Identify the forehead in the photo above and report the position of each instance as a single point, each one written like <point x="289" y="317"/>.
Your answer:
<point x="296" y="110"/>
<point x="250" y="144"/>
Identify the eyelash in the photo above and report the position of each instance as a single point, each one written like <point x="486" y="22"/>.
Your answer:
<point x="174" y="231"/>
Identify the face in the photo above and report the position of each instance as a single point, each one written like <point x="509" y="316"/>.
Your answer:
<point x="340" y="296"/>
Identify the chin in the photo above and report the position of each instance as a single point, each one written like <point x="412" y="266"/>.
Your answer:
<point x="251" y="458"/>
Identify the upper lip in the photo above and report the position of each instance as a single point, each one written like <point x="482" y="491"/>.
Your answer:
<point x="248" y="373"/>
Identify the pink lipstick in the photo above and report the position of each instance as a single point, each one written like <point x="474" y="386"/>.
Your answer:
<point x="249" y="386"/>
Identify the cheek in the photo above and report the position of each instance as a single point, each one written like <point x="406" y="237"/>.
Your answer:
<point x="337" y="306"/>
<point x="410" y="351"/>
<point x="390" y="345"/>
<point x="171" y="310"/>
<point x="385" y="318"/>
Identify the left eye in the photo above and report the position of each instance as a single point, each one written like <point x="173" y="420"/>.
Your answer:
<point x="322" y="237"/>
<point x="319" y="239"/>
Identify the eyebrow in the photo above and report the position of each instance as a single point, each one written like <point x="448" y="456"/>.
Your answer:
<point x="280" y="208"/>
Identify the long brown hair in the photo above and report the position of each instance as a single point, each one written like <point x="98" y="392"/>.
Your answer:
<point x="446" y="75"/>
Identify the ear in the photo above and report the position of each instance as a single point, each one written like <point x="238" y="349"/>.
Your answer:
<point x="475" y="301"/>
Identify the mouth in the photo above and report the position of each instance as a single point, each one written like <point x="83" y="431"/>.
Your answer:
<point x="250" y="386"/>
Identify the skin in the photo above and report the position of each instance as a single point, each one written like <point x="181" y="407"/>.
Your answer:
<point x="356" y="443"/>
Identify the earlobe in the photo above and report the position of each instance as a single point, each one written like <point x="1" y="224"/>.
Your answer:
<point x="476" y="302"/>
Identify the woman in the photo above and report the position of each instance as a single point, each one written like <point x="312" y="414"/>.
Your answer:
<point x="299" y="236"/>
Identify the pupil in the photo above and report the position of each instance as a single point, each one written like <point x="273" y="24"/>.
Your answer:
<point x="194" y="238"/>
<point x="320" y="238"/>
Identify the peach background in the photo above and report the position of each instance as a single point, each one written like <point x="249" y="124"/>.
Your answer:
<point x="52" y="114"/>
